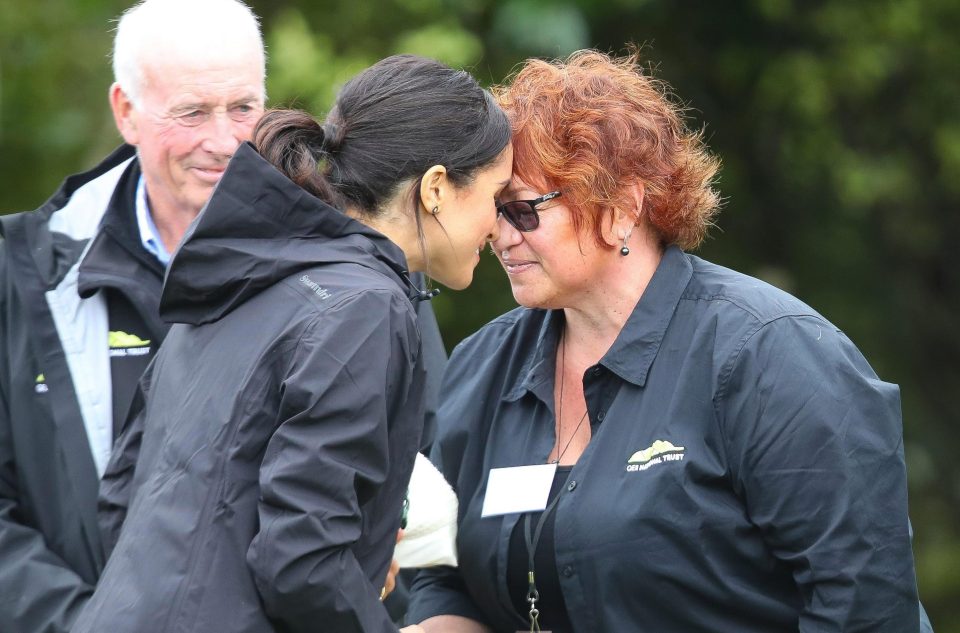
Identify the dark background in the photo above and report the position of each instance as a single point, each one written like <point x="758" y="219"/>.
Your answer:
<point x="837" y="122"/>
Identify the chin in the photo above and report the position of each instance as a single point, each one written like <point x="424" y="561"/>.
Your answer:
<point x="528" y="299"/>
<point x="459" y="284"/>
<point x="455" y="282"/>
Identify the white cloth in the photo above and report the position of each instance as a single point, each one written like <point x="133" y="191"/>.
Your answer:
<point x="430" y="537"/>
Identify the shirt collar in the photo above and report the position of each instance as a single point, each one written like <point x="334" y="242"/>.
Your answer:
<point x="636" y="346"/>
<point x="541" y="364"/>
<point x="149" y="236"/>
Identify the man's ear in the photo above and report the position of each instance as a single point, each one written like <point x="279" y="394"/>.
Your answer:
<point x="124" y="115"/>
<point x="434" y="188"/>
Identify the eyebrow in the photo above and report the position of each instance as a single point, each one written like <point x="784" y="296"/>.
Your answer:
<point x="200" y="105"/>
<point x="187" y="107"/>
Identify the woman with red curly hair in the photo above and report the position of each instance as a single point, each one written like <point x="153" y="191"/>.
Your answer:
<point x="653" y="442"/>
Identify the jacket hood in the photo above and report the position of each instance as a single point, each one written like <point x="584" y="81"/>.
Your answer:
<point x="258" y="228"/>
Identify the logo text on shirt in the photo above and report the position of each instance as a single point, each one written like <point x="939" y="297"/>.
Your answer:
<point x="124" y="344"/>
<point x="659" y="452"/>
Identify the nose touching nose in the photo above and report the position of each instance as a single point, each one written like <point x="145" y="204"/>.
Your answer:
<point x="505" y="234"/>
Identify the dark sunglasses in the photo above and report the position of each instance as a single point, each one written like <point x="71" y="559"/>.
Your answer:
<point x="522" y="214"/>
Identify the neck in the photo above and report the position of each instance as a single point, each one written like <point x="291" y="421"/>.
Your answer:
<point x="593" y="324"/>
<point x="171" y="221"/>
<point x="397" y="228"/>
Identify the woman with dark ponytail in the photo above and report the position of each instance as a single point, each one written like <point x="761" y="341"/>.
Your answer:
<point x="405" y="142"/>
<point x="260" y="488"/>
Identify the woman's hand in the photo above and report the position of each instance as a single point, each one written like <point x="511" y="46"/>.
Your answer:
<point x="391" y="582"/>
<point x="413" y="628"/>
<point x="449" y="624"/>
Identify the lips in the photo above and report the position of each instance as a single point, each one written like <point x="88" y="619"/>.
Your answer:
<point x="517" y="266"/>
<point x="209" y="174"/>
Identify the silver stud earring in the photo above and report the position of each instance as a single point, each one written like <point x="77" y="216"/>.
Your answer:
<point x="435" y="210"/>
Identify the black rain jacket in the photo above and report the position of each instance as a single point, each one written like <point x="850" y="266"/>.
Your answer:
<point x="261" y="488"/>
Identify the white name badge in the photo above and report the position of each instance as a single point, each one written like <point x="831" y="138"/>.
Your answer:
<point x="518" y="489"/>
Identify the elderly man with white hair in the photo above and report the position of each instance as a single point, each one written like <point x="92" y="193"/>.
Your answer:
<point x="80" y="281"/>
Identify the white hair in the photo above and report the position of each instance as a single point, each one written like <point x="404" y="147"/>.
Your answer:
<point x="185" y="30"/>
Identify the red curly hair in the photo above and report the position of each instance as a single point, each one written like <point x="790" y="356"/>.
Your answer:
<point x="592" y="126"/>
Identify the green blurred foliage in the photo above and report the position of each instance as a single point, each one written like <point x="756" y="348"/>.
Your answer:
<point x="838" y="122"/>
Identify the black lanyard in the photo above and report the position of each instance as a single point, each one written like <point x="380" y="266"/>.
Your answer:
<point x="532" y="541"/>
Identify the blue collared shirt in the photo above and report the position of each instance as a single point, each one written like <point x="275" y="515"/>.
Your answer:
<point x="149" y="236"/>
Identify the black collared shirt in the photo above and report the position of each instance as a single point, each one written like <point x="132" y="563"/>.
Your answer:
<point x="745" y="472"/>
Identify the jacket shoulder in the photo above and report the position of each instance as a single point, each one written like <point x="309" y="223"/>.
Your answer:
<point x="348" y="297"/>
<point x="741" y="295"/>
<point x="58" y="228"/>
<point x="498" y="332"/>
<point x="331" y="285"/>
<point x="493" y="358"/>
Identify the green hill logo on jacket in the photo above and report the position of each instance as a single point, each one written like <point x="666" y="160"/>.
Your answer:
<point x="40" y="384"/>
<point x="659" y="452"/>
<point x="123" y="344"/>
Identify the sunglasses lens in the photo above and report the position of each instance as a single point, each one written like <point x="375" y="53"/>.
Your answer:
<point x="520" y="214"/>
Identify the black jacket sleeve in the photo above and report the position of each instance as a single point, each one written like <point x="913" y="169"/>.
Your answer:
<point x="39" y="593"/>
<point x="816" y="451"/>
<point x="330" y="454"/>
<point x="117" y="483"/>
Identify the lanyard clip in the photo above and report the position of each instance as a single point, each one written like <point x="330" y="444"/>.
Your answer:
<point x="532" y="596"/>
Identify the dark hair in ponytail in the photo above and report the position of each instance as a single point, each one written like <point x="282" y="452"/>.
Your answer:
<point x="292" y="141"/>
<point x="389" y="124"/>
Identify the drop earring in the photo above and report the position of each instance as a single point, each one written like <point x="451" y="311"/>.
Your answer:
<point x="625" y="250"/>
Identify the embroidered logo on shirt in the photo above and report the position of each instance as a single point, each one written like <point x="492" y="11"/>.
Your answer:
<point x="659" y="452"/>
<point x="123" y="344"/>
<point x="41" y="384"/>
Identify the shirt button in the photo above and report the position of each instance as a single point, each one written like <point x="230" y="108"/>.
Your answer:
<point x="600" y="416"/>
<point x="567" y="571"/>
<point x="572" y="485"/>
